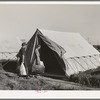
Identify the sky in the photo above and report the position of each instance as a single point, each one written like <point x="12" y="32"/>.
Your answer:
<point x="20" y="21"/>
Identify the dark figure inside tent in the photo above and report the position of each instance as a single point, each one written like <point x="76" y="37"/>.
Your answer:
<point x="38" y="65"/>
<point x="37" y="54"/>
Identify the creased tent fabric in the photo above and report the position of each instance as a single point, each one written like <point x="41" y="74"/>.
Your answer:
<point x="74" y="44"/>
<point x="76" y="52"/>
<point x="31" y="45"/>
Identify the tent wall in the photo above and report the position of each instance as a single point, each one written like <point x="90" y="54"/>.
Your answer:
<point x="75" y="65"/>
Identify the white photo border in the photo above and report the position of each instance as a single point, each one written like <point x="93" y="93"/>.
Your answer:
<point x="60" y="94"/>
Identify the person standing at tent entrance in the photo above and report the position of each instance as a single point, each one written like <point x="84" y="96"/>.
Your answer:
<point x="39" y="67"/>
<point x="22" y="69"/>
<point x="37" y="54"/>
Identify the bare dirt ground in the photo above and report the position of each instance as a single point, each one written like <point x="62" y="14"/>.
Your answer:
<point x="10" y="81"/>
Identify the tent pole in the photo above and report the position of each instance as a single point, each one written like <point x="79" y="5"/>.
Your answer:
<point x="33" y="48"/>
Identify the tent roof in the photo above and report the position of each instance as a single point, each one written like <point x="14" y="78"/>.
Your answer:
<point x="73" y="43"/>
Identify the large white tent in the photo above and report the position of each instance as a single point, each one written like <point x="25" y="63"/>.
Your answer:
<point x="79" y="56"/>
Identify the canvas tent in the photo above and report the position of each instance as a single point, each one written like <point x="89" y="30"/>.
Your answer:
<point x="62" y="53"/>
<point x="8" y="47"/>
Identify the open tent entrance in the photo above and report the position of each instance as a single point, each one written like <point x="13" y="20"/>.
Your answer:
<point x="53" y="63"/>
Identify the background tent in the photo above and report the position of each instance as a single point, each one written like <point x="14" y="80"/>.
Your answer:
<point x="63" y="53"/>
<point x="8" y="48"/>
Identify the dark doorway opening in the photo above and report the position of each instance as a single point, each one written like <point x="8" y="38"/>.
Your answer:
<point x="53" y="63"/>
